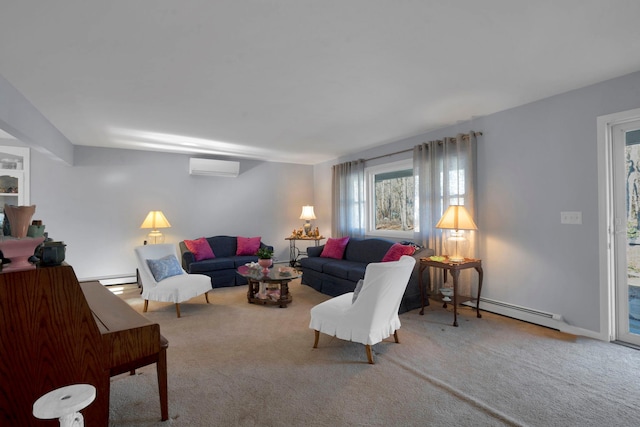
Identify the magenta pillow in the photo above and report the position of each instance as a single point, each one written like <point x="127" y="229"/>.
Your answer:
<point x="200" y="249"/>
<point x="396" y="251"/>
<point x="334" y="248"/>
<point x="248" y="245"/>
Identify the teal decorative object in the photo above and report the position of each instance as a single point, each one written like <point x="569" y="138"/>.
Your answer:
<point x="35" y="231"/>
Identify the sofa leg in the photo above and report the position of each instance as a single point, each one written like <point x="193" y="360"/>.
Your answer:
<point x="369" y="355"/>
<point x="206" y="296"/>
<point x="178" y="309"/>
<point x="315" y="343"/>
<point x="146" y="305"/>
<point x="395" y="336"/>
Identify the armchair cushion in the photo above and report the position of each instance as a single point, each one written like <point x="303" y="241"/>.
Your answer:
<point x="248" y="245"/>
<point x="200" y="248"/>
<point x="167" y="266"/>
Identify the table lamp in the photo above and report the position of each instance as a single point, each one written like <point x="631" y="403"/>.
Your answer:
<point x="155" y="220"/>
<point x="457" y="219"/>
<point x="307" y="214"/>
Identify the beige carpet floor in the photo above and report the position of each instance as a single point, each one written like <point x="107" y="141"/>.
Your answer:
<point x="237" y="364"/>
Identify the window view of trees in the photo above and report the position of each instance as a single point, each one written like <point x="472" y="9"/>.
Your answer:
<point x="394" y="200"/>
<point x="632" y="151"/>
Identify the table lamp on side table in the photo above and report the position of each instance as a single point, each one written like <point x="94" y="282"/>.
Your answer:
<point x="154" y="221"/>
<point x="307" y="214"/>
<point x="457" y="219"/>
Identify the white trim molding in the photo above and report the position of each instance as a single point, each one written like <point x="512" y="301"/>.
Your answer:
<point x="606" y="224"/>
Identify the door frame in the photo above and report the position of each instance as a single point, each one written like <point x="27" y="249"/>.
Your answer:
<point x="606" y="221"/>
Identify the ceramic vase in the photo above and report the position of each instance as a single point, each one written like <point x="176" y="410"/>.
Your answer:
<point x="19" y="251"/>
<point x="19" y="219"/>
<point x="265" y="264"/>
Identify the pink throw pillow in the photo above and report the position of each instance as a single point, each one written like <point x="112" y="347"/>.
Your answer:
<point x="248" y="245"/>
<point x="200" y="249"/>
<point x="334" y="248"/>
<point x="396" y="251"/>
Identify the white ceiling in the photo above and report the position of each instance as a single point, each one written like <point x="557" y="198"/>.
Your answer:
<point x="300" y="80"/>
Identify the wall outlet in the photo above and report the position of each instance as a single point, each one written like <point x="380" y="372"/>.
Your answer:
<point x="571" y="217"/>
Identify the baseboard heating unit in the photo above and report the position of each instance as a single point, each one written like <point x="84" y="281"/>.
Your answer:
<point x="527" y="314"/>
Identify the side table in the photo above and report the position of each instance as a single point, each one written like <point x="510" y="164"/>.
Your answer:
<point x="294" y="252"/>
<point x="453" y="268"/>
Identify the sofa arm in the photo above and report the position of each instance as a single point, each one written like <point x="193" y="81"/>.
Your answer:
<point x="314" y="251"/>
<point x="423" y="252"/>
<point x="186" y="256"/>
<point x="262" y="245"/>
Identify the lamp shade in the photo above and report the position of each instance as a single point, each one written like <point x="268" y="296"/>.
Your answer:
<point x="155" y="220"/>
<point x="307" y="213"/>
<point x="456" y="217"/>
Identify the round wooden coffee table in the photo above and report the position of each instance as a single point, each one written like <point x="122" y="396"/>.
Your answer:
<point x="278" y="276"/>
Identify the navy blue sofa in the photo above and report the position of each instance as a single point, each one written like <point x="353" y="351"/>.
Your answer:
<point x="338" y="276"/>
<point x="222" y="268"/>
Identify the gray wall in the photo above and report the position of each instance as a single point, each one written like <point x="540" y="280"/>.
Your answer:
<point x="535" y="161"/>
<point x="97" y="206"/>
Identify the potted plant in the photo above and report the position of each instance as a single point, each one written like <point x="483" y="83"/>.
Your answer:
<point x="264" y="258"/>
<point x="265" y="253"/>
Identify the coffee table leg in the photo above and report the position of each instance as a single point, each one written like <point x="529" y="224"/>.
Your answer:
<point x="250" y="291"/>
<point x="284" y="294"/>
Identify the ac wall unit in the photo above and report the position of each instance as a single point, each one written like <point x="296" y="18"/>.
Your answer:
<point x="210" y="167"/>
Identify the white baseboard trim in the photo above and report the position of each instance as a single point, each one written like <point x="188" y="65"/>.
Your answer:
<point x="118" y="279"/>
<point x="549" y="320"/>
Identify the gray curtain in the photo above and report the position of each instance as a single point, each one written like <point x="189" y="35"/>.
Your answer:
<point x="445" y="172"/>
<point x="348" y="199"/>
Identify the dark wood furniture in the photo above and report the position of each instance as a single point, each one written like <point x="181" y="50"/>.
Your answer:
<point x="130" y="340"/>
<point x="255" y="276"/>
<point x="55" y="332"/>
<point x="453" y="268"/>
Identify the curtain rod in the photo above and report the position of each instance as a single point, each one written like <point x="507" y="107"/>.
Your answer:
<point x="464" y="136"/>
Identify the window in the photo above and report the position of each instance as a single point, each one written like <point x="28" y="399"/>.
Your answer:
<point x="456" y="188"/>
<point x="391" y="199"/>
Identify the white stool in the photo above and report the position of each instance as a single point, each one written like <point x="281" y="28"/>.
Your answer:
<point x="65" y="403"/>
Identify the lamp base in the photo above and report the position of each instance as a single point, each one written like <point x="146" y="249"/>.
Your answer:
<point x="457" y="246"/>
<point x="155" y="237"/>
<point x="307" y="228"/>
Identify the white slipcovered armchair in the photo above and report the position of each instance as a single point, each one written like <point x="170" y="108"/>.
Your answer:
<point x="373" y="316"/>
<point x="178" y="287"/>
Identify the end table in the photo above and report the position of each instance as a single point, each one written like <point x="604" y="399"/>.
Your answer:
<point x="453" y="268"/>
<point x="294" y="253"/>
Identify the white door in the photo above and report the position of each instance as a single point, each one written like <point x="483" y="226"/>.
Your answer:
<point x="626" y="206"/>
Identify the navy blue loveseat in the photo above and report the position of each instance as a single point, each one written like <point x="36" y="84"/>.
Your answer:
<point x="338" y="276"/>
<point x="222" y="268"/>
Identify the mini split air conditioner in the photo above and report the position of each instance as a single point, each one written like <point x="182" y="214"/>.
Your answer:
<point x="210" y="167"/>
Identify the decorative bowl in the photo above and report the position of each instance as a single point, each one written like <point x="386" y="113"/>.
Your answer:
<point x="446" y="293"/>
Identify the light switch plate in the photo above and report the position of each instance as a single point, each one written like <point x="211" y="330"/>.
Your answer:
<point x="571" y="217"/>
